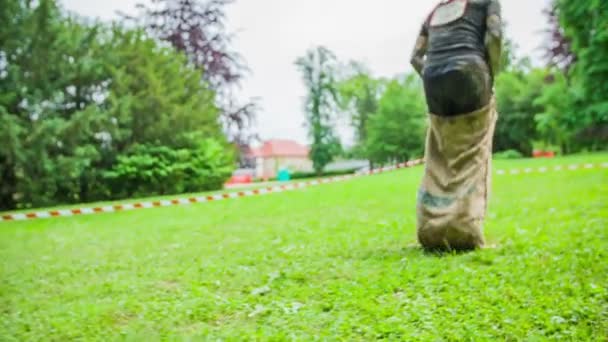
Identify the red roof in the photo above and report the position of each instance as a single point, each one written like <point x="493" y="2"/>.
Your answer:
<point x="281" y="148"/>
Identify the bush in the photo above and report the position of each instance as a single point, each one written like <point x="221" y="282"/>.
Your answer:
<point x="160" y="170"/>
<point x="508" y="154"/>
<point x="306" y="175"/>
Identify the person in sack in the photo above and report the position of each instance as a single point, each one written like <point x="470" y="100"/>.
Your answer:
<point x="458" y="54"/>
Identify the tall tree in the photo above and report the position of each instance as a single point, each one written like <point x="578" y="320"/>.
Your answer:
<point x="559" y="49"/>
<point x="585" y="24"/>
<point x="318" y="68"/>
<point x="74" y="97"/>
<point x="197" y="28"/>
<point x="396" y="131"/>
<point x="558" y="123"/>
<point x="517" y="91"/>
<point x="359" y="95"/>
<point x="51" y="88"/>
<point x="161" y="113"/>
<point x="155" y="97"/>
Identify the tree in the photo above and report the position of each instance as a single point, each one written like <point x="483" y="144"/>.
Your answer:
<point x="557" y="124"/>
<point x="559" y="50"/>
<point x="76" y="97"/>
<point x="517" y="90"/>
<point x="155" y="97"/>
<point x="50" y="84"/>
<point x="397" y="130"/>
<point x="318" y="68"/>
<point x="584" y="25"/>
<point x="359" y="95"/>
<point x="159" y="107"/>
<point x="197" y="28"/>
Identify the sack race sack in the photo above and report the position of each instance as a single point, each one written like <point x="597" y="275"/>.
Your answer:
<point x="452" y="201"/>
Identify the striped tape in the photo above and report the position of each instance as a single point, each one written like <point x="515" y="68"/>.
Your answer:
<point x="557" y="168"/>
<point x="255" y="192"/>
<point x="200" y="199"/>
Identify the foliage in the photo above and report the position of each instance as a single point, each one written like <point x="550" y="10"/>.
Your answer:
<point x="155" y="97"/>
<point x="161" y="170"/>
<point x="75" y="97"/>
<point x="562" y="105"/>
<point x="165" y="118"/>
<point x="559" y="51"/>
<point x="559" y="121"/>
<point x="517" y="91"/>
<point x="508" y="154"/>
<point x="197" y="28"/>
<point x="50" y="84"/>
<point x="318" y="68"/>
<point x="359" y="96"/>
<point x="335" y="262"/>
<point x="397" y="130"/>
<point x="308" y="175"/>
<point x="583" y="24"/>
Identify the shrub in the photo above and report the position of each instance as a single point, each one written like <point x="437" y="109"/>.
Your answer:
<point x="305" y="175"/>
<point x="508" y="154"/>
<point x="160" y="170"/>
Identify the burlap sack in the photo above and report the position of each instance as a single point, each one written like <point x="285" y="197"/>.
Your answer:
<point x="452" y="200"/>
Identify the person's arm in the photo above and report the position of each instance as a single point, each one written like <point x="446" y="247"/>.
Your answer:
<point x="417" y="59"/>
<point x="493" y="39"/>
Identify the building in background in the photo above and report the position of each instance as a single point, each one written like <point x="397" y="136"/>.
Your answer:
<point x="278" y="154"/>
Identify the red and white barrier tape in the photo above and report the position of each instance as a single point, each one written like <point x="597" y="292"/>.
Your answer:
<point x="254" y="192"/>
<point x="545" y="169"/>
<point x="199" y="199"/>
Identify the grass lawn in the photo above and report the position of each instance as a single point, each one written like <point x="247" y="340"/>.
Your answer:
<point x="334" y="262"/>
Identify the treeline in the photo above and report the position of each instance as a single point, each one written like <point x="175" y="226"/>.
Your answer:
<point x="562" y="107"/>
<point x="92" y="111"/>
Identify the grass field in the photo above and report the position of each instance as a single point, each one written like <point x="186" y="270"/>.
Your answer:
<point x="335" y="262"/>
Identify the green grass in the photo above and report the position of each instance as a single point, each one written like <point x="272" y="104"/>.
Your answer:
<point x="335" y="262"/>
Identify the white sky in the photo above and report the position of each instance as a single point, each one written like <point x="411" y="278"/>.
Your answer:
<point x="380" y="33"/>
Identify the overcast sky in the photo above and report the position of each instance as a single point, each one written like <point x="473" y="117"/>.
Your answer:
<point x="271" y="34"/>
